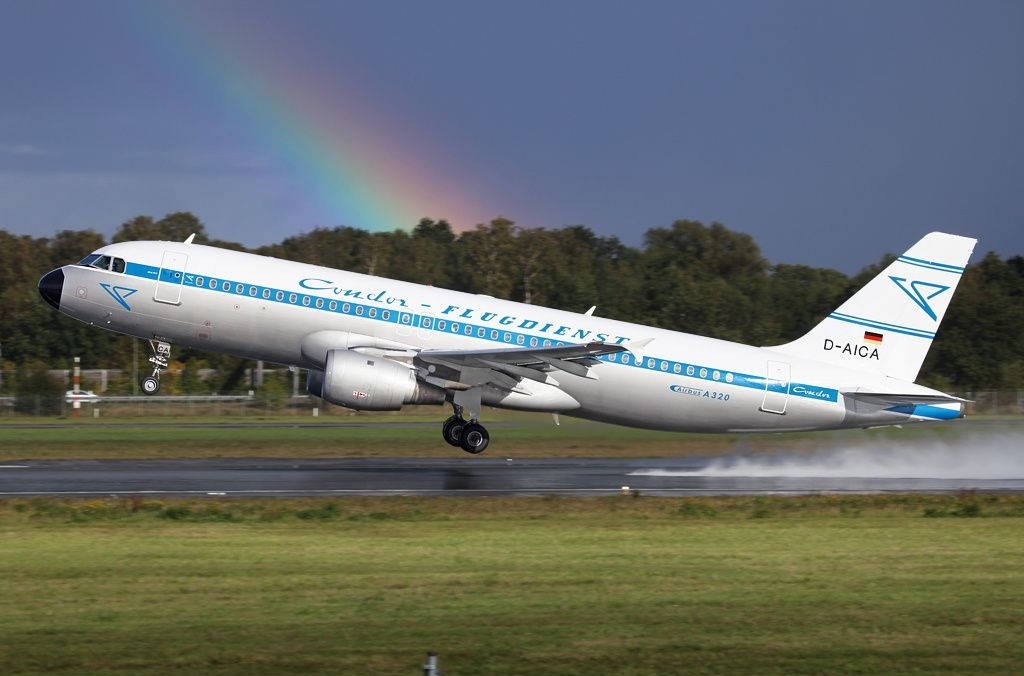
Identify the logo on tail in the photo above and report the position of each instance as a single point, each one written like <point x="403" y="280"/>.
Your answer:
<point x="915" y="293"/>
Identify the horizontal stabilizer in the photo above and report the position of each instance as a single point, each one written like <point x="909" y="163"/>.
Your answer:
<point x="921" y="406"/>
<point x="889" y="398"/>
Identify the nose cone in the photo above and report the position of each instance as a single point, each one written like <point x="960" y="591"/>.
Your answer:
<point x="50" y="287"/>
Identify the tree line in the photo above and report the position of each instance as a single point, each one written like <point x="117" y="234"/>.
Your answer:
<point x="689" y="276"/>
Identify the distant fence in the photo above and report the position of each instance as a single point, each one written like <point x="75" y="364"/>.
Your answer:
<point x="165" y="405"/>
<point x="982" y="402"/>
<point x="994" y="402"/>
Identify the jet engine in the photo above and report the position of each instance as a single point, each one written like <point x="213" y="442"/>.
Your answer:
<point x="369" y="383"/>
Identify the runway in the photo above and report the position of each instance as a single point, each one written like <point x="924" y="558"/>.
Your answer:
<point x="485" y="476"/>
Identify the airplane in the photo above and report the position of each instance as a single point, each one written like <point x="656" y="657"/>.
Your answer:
<point x="371" y="343"/>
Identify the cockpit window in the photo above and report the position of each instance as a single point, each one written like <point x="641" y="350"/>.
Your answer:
<point x="101" y="262"/>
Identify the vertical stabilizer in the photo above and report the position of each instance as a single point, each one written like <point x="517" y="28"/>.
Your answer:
<point x="888" y="326"/>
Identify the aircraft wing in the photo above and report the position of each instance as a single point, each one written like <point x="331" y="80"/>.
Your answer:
<point x="505" y="367"/>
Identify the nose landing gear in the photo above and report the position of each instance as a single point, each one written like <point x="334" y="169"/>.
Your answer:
<point x="161" y="356"/>
<point x="471" y="436"/>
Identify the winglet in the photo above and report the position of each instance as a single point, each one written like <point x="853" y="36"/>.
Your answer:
<point x="635" y="347"/>
<point x="188" y="240"/>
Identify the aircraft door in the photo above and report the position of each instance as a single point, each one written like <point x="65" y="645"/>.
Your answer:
<point x="172" y="275"/>
<point x="776" y="388"/>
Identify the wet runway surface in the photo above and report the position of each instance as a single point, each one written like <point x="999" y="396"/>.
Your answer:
<point x="233" y="425"/>
<point x="469" y="476"/>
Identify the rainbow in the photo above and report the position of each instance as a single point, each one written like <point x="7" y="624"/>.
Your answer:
<point x="329" y="141"/>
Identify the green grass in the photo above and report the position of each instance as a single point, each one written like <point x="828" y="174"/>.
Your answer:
<point x="514" y="435"/>
<point x="854" y="584"/>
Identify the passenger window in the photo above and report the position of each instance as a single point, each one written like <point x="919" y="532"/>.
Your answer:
<point x="118" y="265"/>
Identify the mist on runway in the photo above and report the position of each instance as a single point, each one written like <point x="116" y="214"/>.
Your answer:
<point x="979" y="456"/>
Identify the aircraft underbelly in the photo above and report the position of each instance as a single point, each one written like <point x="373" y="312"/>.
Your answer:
<point x="668" y="401"/>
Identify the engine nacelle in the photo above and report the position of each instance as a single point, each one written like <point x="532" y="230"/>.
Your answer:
<point x="368" y="383"/>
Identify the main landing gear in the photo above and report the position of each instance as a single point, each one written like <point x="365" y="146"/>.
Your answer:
<point x="470" y="436"/>
<point x="161" y="356"/>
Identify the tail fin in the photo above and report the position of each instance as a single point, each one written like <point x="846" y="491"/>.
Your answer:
<point x="888" y="326"/>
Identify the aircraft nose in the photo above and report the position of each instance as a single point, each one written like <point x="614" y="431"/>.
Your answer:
<point x="50" y="287"/>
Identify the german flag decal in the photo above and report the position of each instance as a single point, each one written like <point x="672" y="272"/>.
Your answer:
<point x="872" y="337"/>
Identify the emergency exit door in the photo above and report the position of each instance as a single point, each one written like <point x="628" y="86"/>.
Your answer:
<point x="172" y="275"/>
<point x="776" y="388"/>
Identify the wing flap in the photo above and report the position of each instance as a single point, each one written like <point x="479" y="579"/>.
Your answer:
<point x="504" y="368"/>
<point x="525" y="356"/>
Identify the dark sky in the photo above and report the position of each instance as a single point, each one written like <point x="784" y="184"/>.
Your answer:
<point x="831" y="132"/>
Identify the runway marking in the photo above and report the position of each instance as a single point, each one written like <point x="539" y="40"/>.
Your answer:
<point x="13" y="466"/>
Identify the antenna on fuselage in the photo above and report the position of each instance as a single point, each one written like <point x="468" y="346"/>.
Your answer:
<point x="590" y="312"/>
<point x="188" y="240"/>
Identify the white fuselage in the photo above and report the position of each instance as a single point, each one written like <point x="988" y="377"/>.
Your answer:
<point x="262" y="308"/>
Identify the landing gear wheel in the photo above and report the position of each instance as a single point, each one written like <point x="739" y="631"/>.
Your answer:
<point x="452" y="430"/>
<point x="159" y="360"/>
<point x="150" y="385"/>
<point x="474" y="438"/>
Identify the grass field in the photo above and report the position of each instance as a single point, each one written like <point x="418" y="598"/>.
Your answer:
<point x="854" y="584"/>
<point x="827" y="584"/>
<point x="515" y="435"/>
